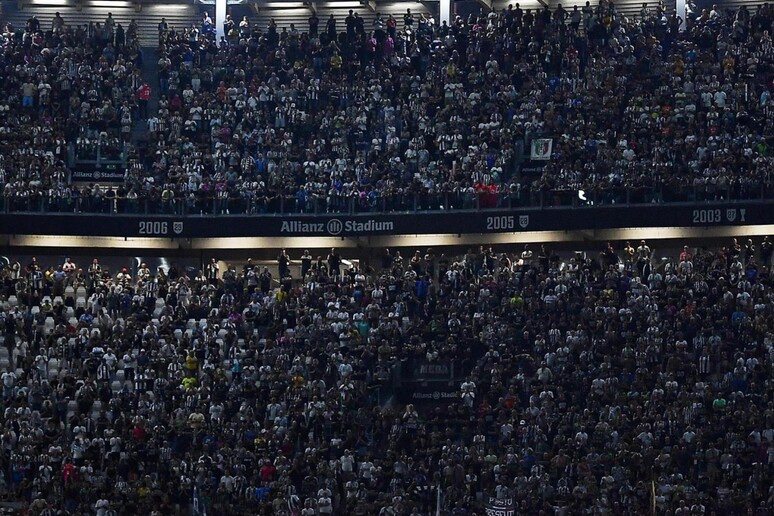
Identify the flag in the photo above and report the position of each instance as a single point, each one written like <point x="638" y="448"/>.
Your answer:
<point x="503" y="507"/>
<point x="541" y="149"/>
<point x="199" y="508"/>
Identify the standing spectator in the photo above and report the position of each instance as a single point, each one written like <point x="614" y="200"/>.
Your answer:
<point x="163" y="27"/>
<point x="766" y="251"/>
<point x="110" y="26"/>
<point x="408" y="20"/>
<point x="283" y="260"/>
<point x="143" y="97"/>
<point x="264" y="281"/>
<point x="314" y="23"/>
<point x="334" y="263"/>
<point x="685" y="254"/>
<point x="213" y="271"/>
<point x="207" y="25"/>
<point x="28" y="90"/>
<point x="330" y="27"/>
<point x="58" y="23"/>
<point x="306" y="263"/>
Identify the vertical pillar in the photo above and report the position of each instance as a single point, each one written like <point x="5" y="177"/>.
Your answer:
<point x="445" y="11"/>
<point x="680" y="10"/>
<point x="220" y="17"/>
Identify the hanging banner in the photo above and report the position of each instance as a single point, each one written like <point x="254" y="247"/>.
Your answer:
<point x="424" y="371"/>
<point x="541" y="149"/>
<point x="504" y="507"/>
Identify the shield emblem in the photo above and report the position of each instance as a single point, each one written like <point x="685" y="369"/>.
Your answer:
<point x="731" y="214"/>
<point x="177" y="227"/>
<point x="523" y="221"/>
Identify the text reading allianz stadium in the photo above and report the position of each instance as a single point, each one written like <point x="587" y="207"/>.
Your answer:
<point x="336" y="227"/>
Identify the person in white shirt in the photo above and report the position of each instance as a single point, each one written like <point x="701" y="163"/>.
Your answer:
<point x="9" y="378"/>
<point x="69" y="268"/>
<point x="526" y="255"/>
<point x="347" y="463"/>
<point x="544" y="374"/>
<point x="345" y="370"/>
<point x="129" y="365"/>
<point x="216" y="413"/>
<point x="366" y="470"/>
<point x="102" y="507"/>
<point x="324" y="501"/>
<point x="468" y="389"/>
<point x="720" y="99"/>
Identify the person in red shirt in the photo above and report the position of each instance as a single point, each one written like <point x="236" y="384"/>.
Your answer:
<point x="268" y="471"/>
<point x="68" y="472"/>
<point x="139" y="432"/>
<point x="143" y="96"/>
<point x="686" y="255"/>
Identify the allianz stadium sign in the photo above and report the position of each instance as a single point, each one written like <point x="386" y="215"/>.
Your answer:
<point x="520" y="220"/>
<point x="336" y="227"/>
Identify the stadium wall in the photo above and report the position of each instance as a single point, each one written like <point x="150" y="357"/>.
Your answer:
<point x="748" y="213"/>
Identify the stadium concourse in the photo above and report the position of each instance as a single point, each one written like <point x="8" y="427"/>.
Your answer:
<point x="616" y="381"/>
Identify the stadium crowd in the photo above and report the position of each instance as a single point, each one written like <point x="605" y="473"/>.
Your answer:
<point x="405" y="115"/>
<point x="62" y="85"/>
<point x="616" y="384"/>
<point x="367" y="118"/>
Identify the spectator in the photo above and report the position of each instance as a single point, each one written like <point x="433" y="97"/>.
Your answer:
<point x="430" y="160"/>
<point x="190" y="368"/>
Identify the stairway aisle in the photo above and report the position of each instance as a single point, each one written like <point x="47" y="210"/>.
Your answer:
<point x="150" y="72"/>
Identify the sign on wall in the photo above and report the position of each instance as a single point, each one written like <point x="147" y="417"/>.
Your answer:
<point x="368" y="225"/>
<point x="93" y="173"/>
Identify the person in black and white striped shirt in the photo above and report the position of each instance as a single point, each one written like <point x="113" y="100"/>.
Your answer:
<point x="151" y="290"/>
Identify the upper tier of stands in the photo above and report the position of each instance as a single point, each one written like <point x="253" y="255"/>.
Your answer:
<point x="147" y="17"/>
<point x="274" y="120"/>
